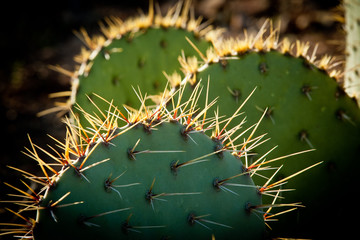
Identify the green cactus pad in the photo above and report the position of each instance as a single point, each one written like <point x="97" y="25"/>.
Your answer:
<point x="141" y="62"/>
<point x="154" y="174"/>
<point x="306" y="109"/>
<point x="134" y="53"/>
<point x="154" y="200"/>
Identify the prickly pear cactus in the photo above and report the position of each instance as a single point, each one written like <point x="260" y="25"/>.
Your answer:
<point x="306" y="109"/>
<point x="157" y="176"/>
<point x="146" y="187"/>
<point x="134" y="53"/>
<point x="352" y="28"/>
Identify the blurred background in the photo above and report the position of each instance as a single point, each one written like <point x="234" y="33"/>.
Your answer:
<point x="36" y="34"/>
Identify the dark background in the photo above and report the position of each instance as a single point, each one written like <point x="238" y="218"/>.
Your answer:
<point x="36" y="34"/>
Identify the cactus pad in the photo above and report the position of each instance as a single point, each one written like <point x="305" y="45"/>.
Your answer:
<point x="134" y="53"/>
<point x="151" y="175"/>
<point x="306" y="109"/>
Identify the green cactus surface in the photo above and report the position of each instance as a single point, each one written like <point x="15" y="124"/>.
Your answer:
<point x="151" y="175"/>
<point x="306" y="109"/>
<point x="153" y="197"/>
<point x="135" y="53"/>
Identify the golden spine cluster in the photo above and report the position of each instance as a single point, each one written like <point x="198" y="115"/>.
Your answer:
<point x="267" y="39"/>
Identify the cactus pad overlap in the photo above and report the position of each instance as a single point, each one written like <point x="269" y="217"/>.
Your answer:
<point x="307" y="108"/>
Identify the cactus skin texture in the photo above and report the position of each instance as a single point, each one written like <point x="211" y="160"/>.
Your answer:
<point x="352" y="28"/>
<point x="141" y="62"/>
<point x="307" y="109"/>
<point x="157" y="176"/>
<point x="154" y="201"/>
